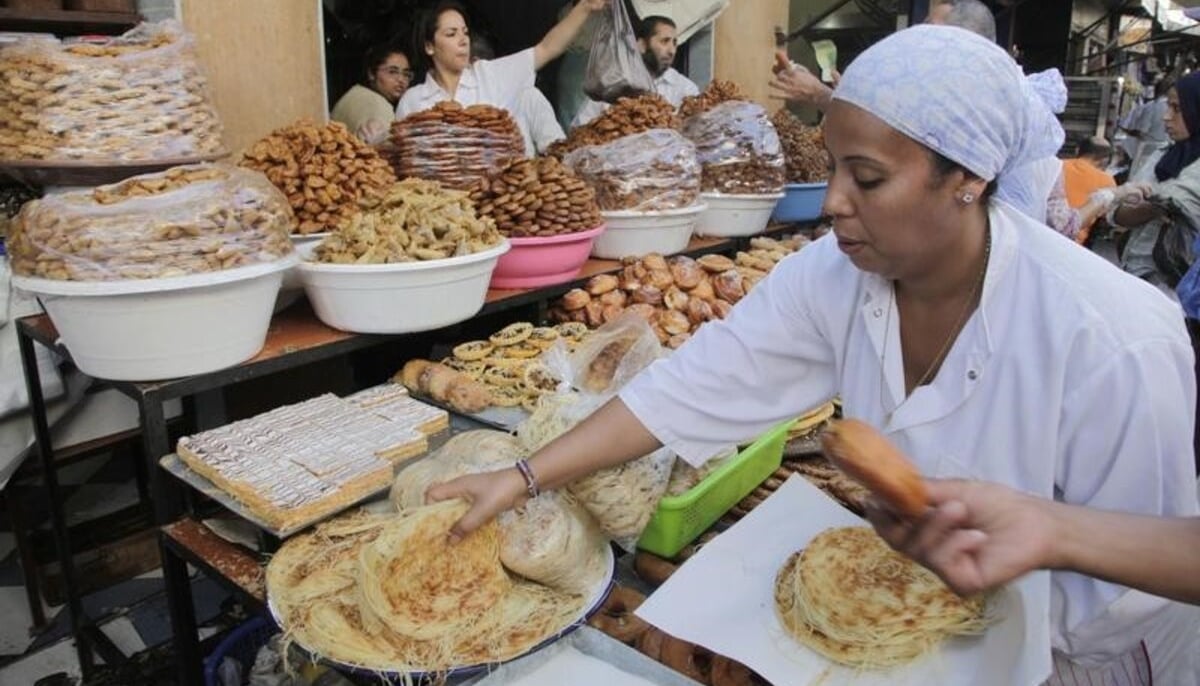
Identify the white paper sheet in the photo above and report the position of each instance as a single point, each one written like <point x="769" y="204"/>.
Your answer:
<point x="722" y="600"/>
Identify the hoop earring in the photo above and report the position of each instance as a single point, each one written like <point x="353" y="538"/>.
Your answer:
<point x="968" y="198"/>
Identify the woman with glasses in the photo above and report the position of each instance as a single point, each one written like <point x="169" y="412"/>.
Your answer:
<point x="368" y="110"/>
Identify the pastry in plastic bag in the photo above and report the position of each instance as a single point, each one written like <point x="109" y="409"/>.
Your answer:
<point x="136" y="97"/>
<point x="738" y="149"/>
<point x="455" y="145"/>
<point x="186" y="220"/>
<point x="615" y="68"/>
<point x="654" y="170"/>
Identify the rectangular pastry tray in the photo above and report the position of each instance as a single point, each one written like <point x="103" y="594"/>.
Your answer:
<point x="179" y="469"/>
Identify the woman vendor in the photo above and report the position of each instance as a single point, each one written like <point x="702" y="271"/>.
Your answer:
<point x="369" y="110"/>
<point x="445" y="38"/>
<point x="982" y="344"/>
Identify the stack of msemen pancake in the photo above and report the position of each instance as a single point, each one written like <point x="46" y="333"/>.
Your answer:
<point x="804" y="438"/>
<point x="299" y="463"/>
<point x="851" y="598"/>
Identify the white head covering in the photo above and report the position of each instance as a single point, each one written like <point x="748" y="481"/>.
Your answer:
<point x="956" y="93"/>
<point x="1051" y="88"/>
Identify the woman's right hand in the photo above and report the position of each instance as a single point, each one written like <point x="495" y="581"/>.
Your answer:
<point x="489" y="494"/>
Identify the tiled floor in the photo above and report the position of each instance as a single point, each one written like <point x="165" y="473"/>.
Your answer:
<point x="133" y="614"/>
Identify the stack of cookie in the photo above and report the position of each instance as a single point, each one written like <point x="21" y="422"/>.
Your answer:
<point x="509" y="362"/>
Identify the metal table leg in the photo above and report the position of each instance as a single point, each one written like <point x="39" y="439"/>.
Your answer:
<point x="44" y="445"/>
<point x="155" y="444"/>
<point x="183" y="615"/>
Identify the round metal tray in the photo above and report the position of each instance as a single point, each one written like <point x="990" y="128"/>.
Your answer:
<point x="603" y="588"/>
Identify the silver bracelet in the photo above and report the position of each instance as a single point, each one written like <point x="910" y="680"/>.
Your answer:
<point x="531" y="485"/>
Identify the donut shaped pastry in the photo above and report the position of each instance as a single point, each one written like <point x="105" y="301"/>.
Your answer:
<point x="616" y="617"/>
<point x="689" y="659"/>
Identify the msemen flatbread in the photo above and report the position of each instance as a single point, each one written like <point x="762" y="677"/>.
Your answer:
<point x="419" y="585"/>
<point x="318" y="591"/>
<point x="854" y="600"/>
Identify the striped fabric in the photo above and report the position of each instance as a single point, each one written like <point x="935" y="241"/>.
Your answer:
<point x="1131" y="670"/>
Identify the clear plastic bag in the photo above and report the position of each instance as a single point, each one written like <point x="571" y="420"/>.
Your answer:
<point x="655" y="170"/>
<point x="622" y="499"/>
<point x="738" y="148"/>
<point x="186" y="220"/>
<point x="470" y="452"/>
<point x="553" y="541"/>
<point x="615" y="68"/>
<point x="140" y="96"/>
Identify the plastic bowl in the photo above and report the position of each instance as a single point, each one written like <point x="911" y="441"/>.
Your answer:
<point x="633" y="234"/>
<point x="143" y="330"/>
<point x="801" y="202"/>
<point x="536" y="261"/>
<point x="736" y="215"/>
<point x="293" y="287"/>
<point x="399" y="298"/>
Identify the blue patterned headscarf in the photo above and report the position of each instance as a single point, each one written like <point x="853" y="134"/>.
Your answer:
<point x="956" y="93"/>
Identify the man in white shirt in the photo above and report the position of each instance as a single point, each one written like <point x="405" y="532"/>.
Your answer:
<point x="658" y="41"/>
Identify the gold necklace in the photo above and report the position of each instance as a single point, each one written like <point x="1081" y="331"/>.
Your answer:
<point x="949" y="342"/>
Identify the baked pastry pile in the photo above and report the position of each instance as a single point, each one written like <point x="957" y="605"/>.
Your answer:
<point x="539" y="197"/>
<point x="186" y="220"/>
<point x="675" y="295"/>
<point x="627" y="117"/>
<point x="323" y="170"/>
<point x="455" y="145"/>
<point x="137" y="97"/>
<point x="803" y="147"/>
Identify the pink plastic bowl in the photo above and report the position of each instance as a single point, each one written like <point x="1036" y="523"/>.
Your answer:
<point x="536" y="262"/>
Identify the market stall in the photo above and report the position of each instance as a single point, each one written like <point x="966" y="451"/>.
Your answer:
<point x="177" y="273"/>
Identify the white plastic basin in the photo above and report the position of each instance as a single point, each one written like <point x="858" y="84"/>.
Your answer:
<point x="633" y="234"/>
<point x="736" y="215"/>
<point x="398" y="298"/>
<point x="144" y="330"/>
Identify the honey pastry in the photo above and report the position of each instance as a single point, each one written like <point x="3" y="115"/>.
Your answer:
<point x="655" y="261"/>
<point x="538" y="379"/>
<point x="410" y="375"/>
<point x="572" y="330"/>
<point x="576" y="299"/>
<point x="503" y="378"/>
<point x="704" y="291"/>
<point x="715" y="264"/>
<point x="611" y="312"/>
<point x="649" y="295"/>
<point x="660" y="278"/>
<point x="521" y="351"/>
<point x="601" y="284"/>
<point x="614" y="297"/>
<point x="699" y="311"/>
<point x="595" y="314"/>
<point x="754" y="262"/>
<point x="508" y="396"/>
<point x="645" y="311"/>
<point x="674" y="322"/>
<point x="721" y="309"/>
<point x="543" y="337"/>
<point x="505" y="362"/>
<point x="686" y="272"/>
<point x="512" y="334"/>
<point x="730" y="286"/>
<point x="675" y="299"/>
<point x="473" y="350"/>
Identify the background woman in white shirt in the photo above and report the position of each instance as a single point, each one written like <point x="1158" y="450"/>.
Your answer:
<point x="982" y="344"/>
<point x="445" y="38"/>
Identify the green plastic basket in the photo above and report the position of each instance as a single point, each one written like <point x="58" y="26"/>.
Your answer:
<point x="680" y="519"/>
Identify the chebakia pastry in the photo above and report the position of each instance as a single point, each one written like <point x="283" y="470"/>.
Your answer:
<point x="854" y="600"/>
<point x="389" y="593"/>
